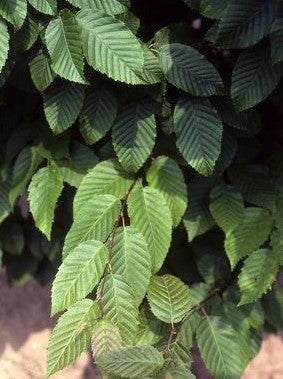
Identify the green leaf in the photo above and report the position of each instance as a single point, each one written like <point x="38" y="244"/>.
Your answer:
<point x="166" y="176"/>
<point x="197" y="219"/>
<point x="130" y="258"/>
<point x="132" y="362"/>
<point x="226" y="207"/>
<point x="4" y="43"/>
<point x="187" y="69"/>
<point x="26" y="37"/>
<point x="199" y="131"/>
<point x="277" y="244"/>
<point x="45" y="6"/>
<point x="94" y="221"/>
<point x="253" y="79"/>
<point x="79" y="273"/>
<point x="107" y="177"/>
<point x="105" y="338"/>
<point x="130" y="20"/>
<point x="213" y="8"/>
<point x="111" y="7"/>
<point x="41" y="72"/>
<point x="110" y="47"/>
<point x="14" y="11"/>
<point x="119" y="305"/>
<point x="44" y="190"/>
<point x="279" y="211"/>
<point x="276" y="39"/>
<point x="257" y="275"/>
<point x="5" y="206"/>
<point x="65" y="48"/>
<point x="150" y="215"/>
<point x="71" y="335"/>
<point x="98" y="114"/>
<point x="178" y="372"/>
<point x="245" y="22"/>
<point x="62" y="106"/>
<point x="248" y="235"/>
<point x="133" y="135"/>
<point x="169" y="298"/>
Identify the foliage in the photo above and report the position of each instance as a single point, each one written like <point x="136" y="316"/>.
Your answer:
<point x="141" y="169"/>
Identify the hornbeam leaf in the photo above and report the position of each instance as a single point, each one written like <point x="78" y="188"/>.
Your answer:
<point x="41" y="72"/>
<point x="71" y="335"/>
<point x="169" y="298"/>
<point x="79" y="273"/>
<point x="111" y="7"/>
<point x="44" y="190"/>
<point x="105" y="338"/>
<point x="14" y="11"/>
<point x="150" y="215"/>
<point x="45" y="6"/>
<point x="4" y="43"/>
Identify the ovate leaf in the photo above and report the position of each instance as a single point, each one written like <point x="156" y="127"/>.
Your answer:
<point x="71" y="335"/>
<point x="4" y="43"/>
<point x="111" y="7"/>
<point x="169" y="298"/>
<point x="105" y="338"/>
<point x="199" y="131"/>
<point x="44" y="190"/>
<point x="25" y="38"/>
<point x="150" y="215"/>
<point x="41" y="72"/>
<point x="45" y="6"/>
<point x="14" y="11"/>
<point x="79" y="273"/>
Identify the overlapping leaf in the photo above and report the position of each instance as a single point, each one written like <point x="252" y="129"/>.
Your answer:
<point x="41" y="72"/>
<point x="45" y="6"/>
<point x="105" y="338"/>
<point x="4" y="44"/>
<point x="111" y="7"/>
<point x="14" y="11"/>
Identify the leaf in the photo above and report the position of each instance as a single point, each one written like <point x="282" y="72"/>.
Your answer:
<point x="94" y="221"/>
<point x="253" y="79"/>
<point x="98" y="114"/>
<point x="4" y="43"/>
<point x="166" y="176"/>
<point x="257" y="275"/>
<point x="187" y="69"/>
<point x="62" y="106"/>
<point x="130" y="258"/>
<point x="14" y="11"/>
<point x="119" y="305"/>
<point x="169" y="298"/>
<point x="79" y="273"/>
<point x="278" y="220"/>
<point x="65" y="48"/>
<point x="178" y="372"/>
<point x="111" y="7"/>
<point x="133" y="135"/>
<point x="71" y="335"/>
<point x="150" y="215"/>
<point x="107" y="177"/>
<point x="214" y="336"/>
<point x="213" y="8"/>
<point x="26" y="37"/>
<point x="226" y="207"/>
<point x="44" y="190"/>
<point x="5" y="206"/>
<point x="105" y="338"/>
<point x="248" y="235"/>
<point x="132" y="361"/>
<point x="197" y="219"/>
<point x="199" y="131"/>
<point x="45" y="6"/>
<point x="41" y="72"/>
<point x="110" y="47"/>
<point x="276" y="39"/>
<point x="245" y="22"/>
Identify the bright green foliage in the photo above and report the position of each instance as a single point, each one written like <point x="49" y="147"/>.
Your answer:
<point x="14" y="11"/>
<point x="169" y="298"/>
<point x="258" y="273"/>
<point x="150" y="215"/>
<point x="105" y="338"/>
<point x="45" y="6"/>
<point x="45" y="188"/>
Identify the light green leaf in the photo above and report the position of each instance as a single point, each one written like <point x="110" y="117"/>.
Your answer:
<point x="199" y="131"/>
<point x="187" y="69"/>
<point x="44" y="190"/>
<point x="248" y="235"/>
<point x="65" y="48"/>
<point x="105" y="338"/>
<point x="245" y="22"/>
<point x="276" y="39"/>
<point x="119" y="305"/>
<point x="169" y="298"/>
<point x="166" y="176"/>
<point x="150" y="215"/>
<point x="132" y="362"/>
<point x="98" y="114"/>
<point x="79" y="273"/>
<point x="71" y="335"/>
<point x="257" y="275"/>
<point x="226" y="207"/>
<point x="177" y="372"/>
<point x="130" y="258"/>
<point x="62" y="106"/>
<point x="253" y="79"/>
<point x="110" y="47"/>
<point x="133" y="135"/>
<point x="45" y="6"/>
<point x="41" y="72"/>
<point x="111" y="7"/>
<point x="94" y="221"/>
<point x="4" y="43"/>
<point x="14" y="11"/>
<point x="107" y="177"/>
